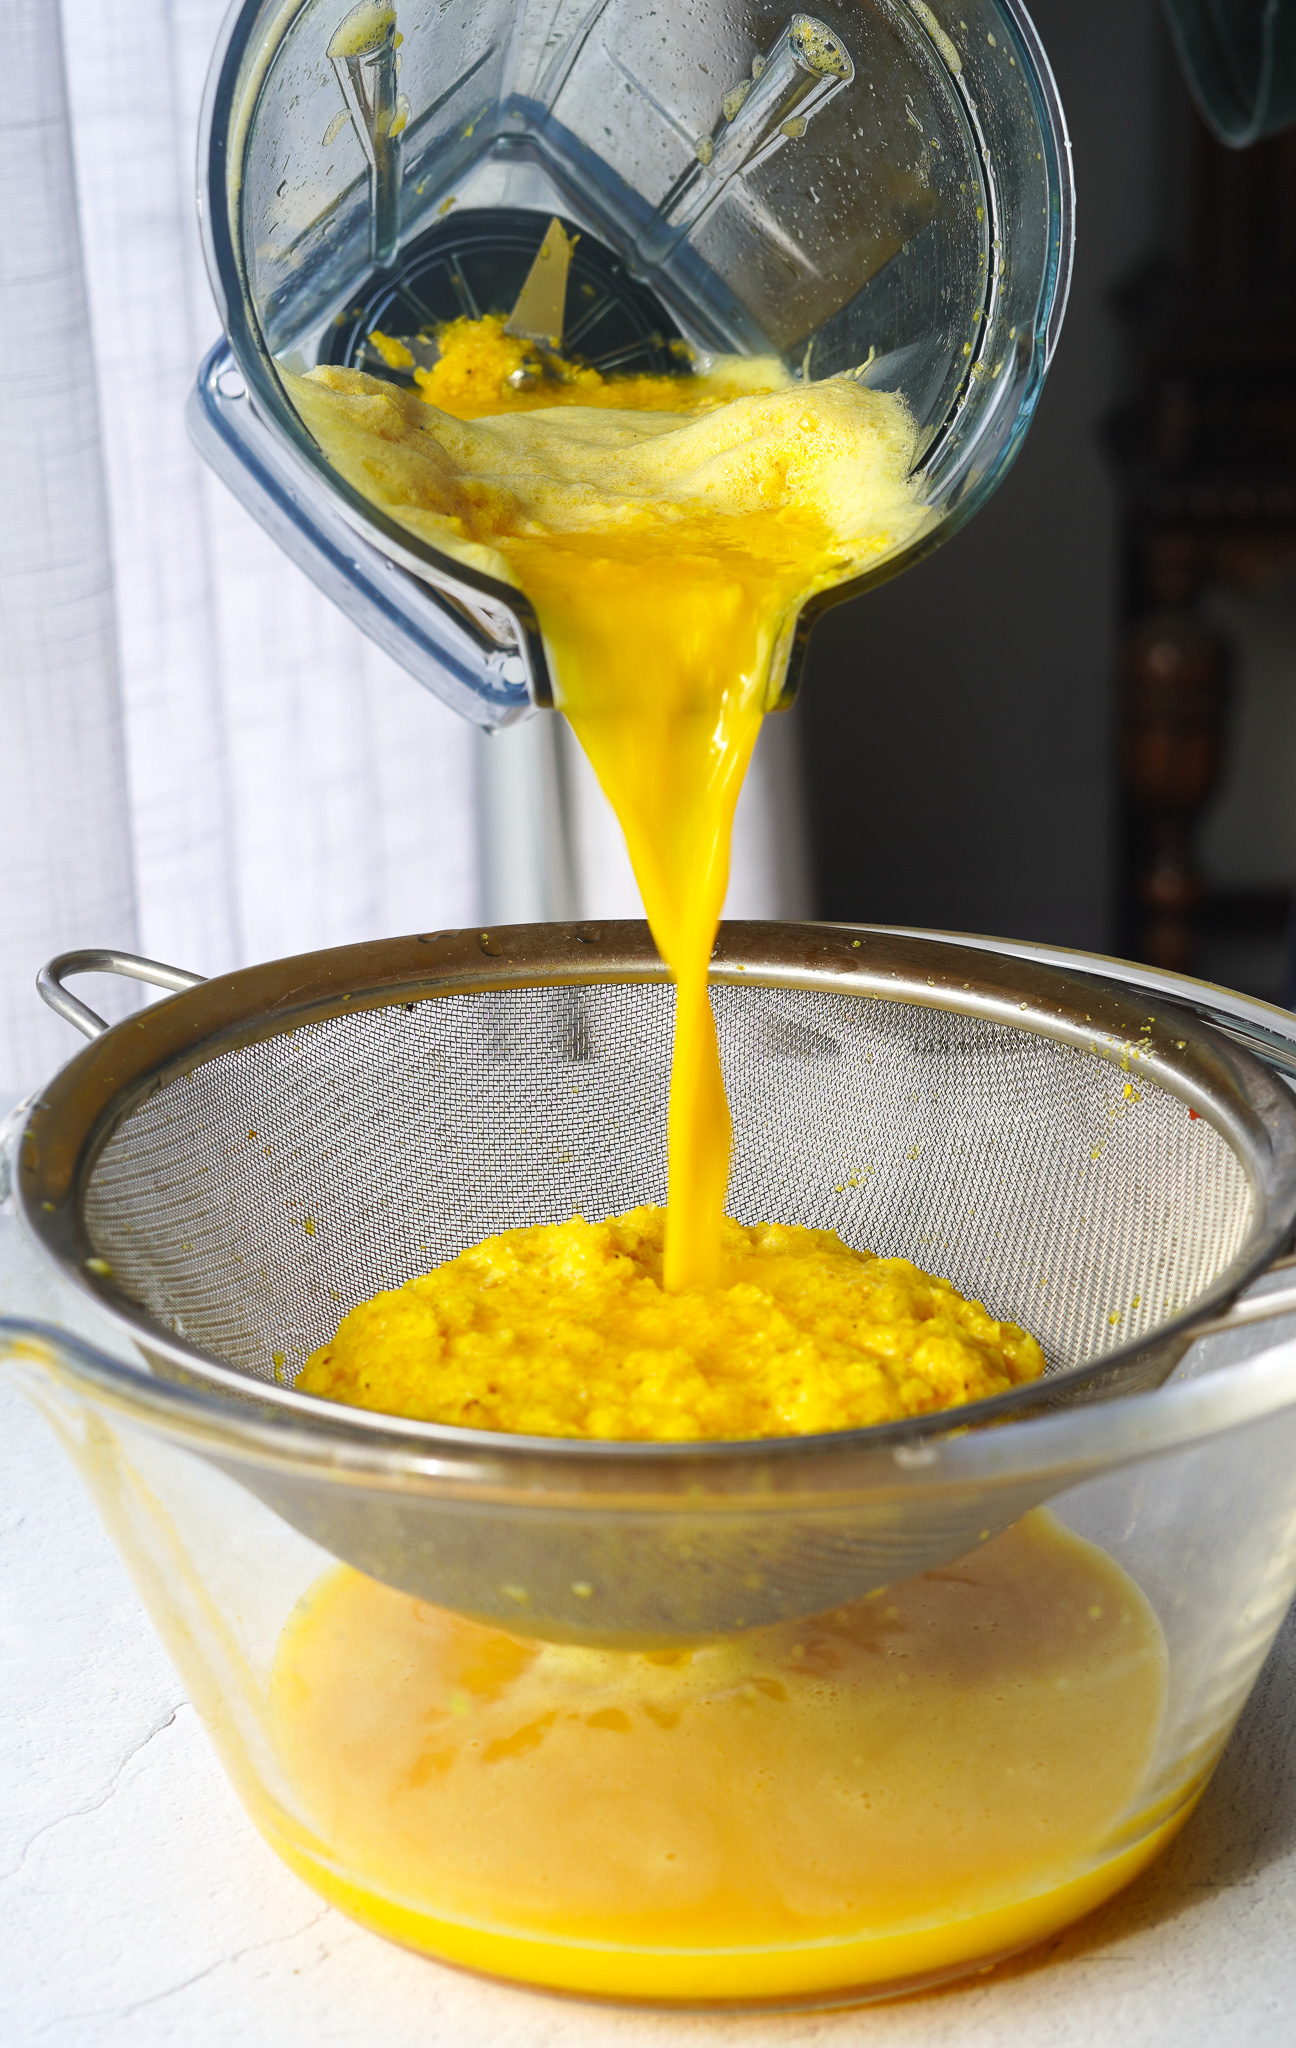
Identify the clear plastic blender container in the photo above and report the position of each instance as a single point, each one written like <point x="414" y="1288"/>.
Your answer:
<point x="882" y="188"/>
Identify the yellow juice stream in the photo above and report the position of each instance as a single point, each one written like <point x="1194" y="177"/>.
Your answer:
<point x="662" y="655"/>
<point x="666" y="530"/>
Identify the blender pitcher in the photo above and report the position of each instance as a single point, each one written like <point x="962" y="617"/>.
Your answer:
<point x="881" y="189"/>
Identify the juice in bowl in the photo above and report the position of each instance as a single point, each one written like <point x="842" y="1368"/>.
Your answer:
<point x="854" y="1805"/>
<point x="872" y="1796"/>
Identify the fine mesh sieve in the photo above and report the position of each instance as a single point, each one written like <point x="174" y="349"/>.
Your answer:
<point x="232" y="1170"/>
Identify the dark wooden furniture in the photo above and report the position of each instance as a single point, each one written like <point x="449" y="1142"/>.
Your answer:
<point x="1206" y="447"/>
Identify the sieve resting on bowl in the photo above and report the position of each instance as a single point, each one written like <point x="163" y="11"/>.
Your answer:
<point x="229" y="1171"/>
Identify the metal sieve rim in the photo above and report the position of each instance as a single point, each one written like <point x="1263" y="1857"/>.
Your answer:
<point x="82" y="1106"/>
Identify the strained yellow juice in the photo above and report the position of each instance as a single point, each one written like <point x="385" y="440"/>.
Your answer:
<point x="927" y="1777"/>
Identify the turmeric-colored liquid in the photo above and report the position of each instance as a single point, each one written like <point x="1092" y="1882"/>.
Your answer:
<point x="663" y="659"/>
<point x="667" y="530"/>
<point x="943" y="1772"/>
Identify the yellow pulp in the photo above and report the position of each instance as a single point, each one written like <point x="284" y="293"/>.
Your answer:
<point x="565" y="1330"/>
<point x="481" y="369"/>
<point x="928" y="1777"/>
<point x="667" y="532"/>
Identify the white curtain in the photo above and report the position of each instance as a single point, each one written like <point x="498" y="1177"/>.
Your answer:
<point x="65" y="866"/>
<point x="221" y="769"/>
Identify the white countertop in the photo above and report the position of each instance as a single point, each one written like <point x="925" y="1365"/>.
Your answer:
<point x="140" y="1906"/>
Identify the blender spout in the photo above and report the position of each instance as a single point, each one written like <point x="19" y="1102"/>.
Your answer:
<point x="806" y="66"/>
<point x="362" y="52"/>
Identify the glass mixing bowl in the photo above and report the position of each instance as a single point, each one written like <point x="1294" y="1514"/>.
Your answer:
<point x="232" y="1498"/>
<point x="1192" y="1494"/>
<point x="881" y="188"/>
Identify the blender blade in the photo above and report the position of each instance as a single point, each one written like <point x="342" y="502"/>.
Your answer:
<point x="539" y="312"/>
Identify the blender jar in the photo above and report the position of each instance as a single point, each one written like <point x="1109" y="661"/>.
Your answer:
<point x="881" y="189"/>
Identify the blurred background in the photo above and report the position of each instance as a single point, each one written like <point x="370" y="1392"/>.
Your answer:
<point x="1076" y="723"/>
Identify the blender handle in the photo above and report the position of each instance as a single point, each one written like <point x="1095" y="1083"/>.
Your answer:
<point x="103" y="960"/>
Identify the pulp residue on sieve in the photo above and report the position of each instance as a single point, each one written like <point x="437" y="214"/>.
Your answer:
<point x="565" y="1330"/>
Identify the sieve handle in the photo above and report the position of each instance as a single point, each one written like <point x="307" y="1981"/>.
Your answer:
<point x="102" y="960"/>
<point x="1266" y="1045"/>
<point x="1256" y="1308"/>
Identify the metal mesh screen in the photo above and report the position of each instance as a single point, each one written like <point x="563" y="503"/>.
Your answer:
<point x="248" y="1204"/>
